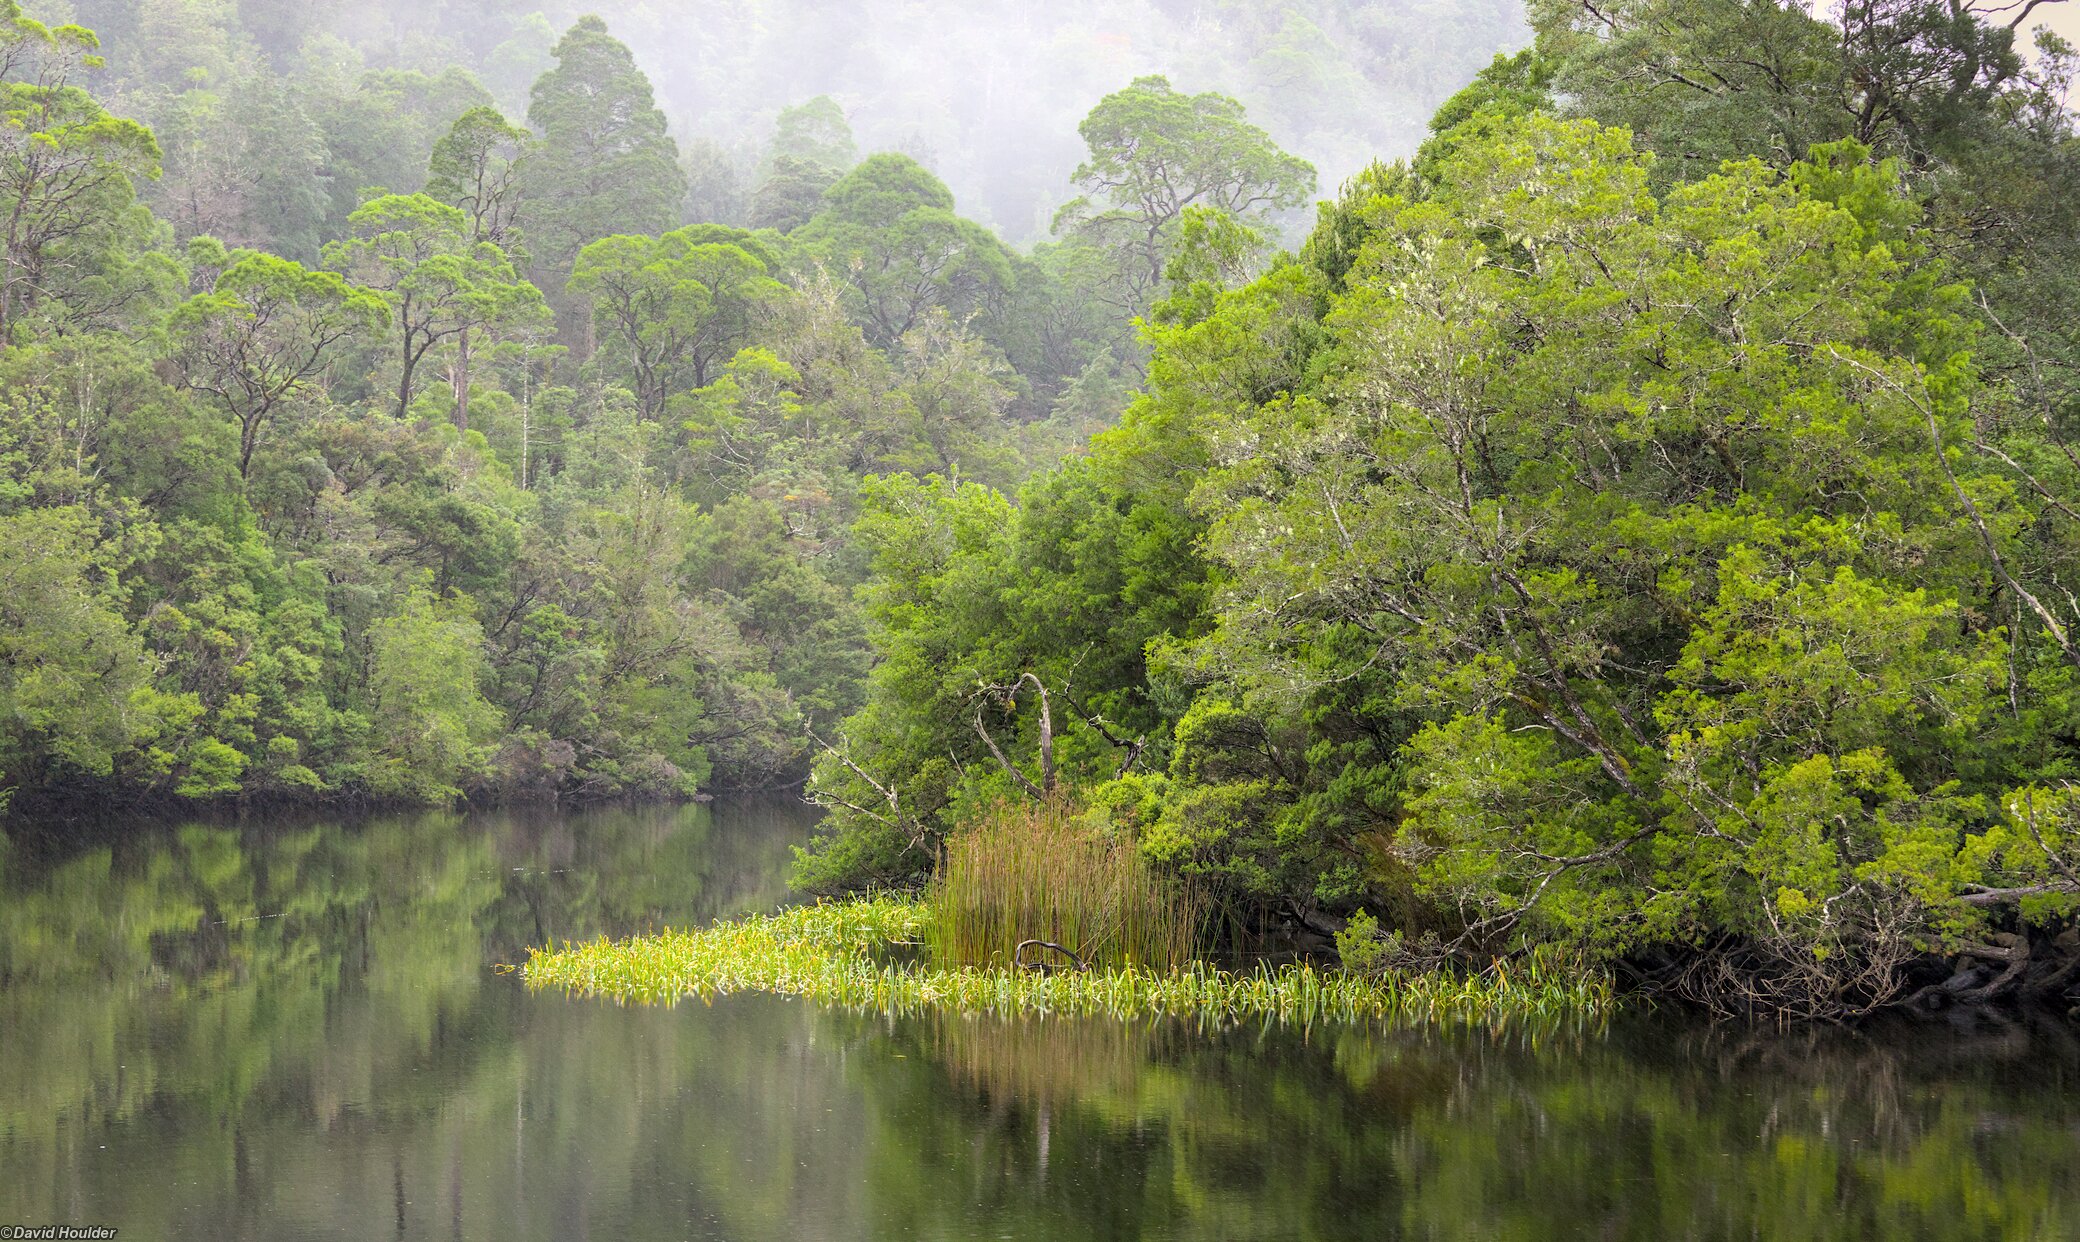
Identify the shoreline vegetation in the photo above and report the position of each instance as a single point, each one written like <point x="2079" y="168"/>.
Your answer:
<point x="1613" y="528"/>
<point x="843" y="954"/>
<point x="1122" y="941"/>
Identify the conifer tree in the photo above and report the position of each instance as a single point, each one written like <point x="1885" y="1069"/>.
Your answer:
<point x="605" y="164"/>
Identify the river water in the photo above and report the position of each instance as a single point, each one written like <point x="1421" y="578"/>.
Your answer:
<point x="296" y="1030"/>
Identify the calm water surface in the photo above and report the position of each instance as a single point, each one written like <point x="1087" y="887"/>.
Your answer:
<point x="274" y="1031"/>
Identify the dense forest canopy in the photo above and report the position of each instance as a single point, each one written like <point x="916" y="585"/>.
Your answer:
<point x="1637" y="519"/>
<point x="392" y="430"/>
<point x="1639" y="522"/>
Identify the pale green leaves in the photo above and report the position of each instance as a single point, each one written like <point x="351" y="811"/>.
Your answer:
<point x="434" y="727"/>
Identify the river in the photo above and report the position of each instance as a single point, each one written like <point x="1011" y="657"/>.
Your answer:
<point x="296" y="1030"/>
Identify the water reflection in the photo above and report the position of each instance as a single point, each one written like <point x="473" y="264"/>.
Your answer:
<point x="225" y="1032"/>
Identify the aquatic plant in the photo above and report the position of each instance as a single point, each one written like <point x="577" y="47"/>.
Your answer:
<point x="1034" y="871"/>
<point x="838" y="953"/>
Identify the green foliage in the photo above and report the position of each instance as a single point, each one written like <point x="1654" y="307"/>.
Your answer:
<point x="242" y="161"/>
<point x="1214" y="251"/>
<point x="1622" y="524"/>
<point x="433" y="724"/>
<point x="1981" y="132"/>
<point x="68" y="172"/>
<point x="643" y="509"/>
<point x="375" y="136"/>
<point x="604" y="165"/>
<point x="682" y="303"/>
<point x="736" y="427"/>
<point x="442" y="279"/>
<point x="262" y="336"/>
<point x="1624" y="518"/>
<point x="1562" y="546"/>
<point x="1154" y="152"/>
<point x="70" y="669"/>
<point x="815" y="131"/>
<point x="887" y="229"/>
<point x="790" y="193"/>
<point x="476" y="166"/>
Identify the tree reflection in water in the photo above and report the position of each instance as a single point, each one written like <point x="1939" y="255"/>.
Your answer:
<point x="269" y="1032"/>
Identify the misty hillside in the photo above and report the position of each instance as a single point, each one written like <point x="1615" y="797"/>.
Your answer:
<point x="987" y="95"/>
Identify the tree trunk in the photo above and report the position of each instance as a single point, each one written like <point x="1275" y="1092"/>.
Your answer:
<point x="1047" y="778"/>
<point x="1043" y="791"/>
<point x="248" y="439"/>
<point x="404" y="381"/>
<point x="462" y="381"/>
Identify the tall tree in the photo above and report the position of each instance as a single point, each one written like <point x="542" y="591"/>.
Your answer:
<point x="888" y="230"/>
<point x="1594" y="489"/>
<point x="816" y="131"/>
<point x="812" y="146"/>
<point x="1154" y="152"/>
<point x="682" y="303"/>
<point x="67" y="168"/>
<point x="264" y="335"/>
<point x="440" y="283"/>
<point x="476" y="166"/>
<point x="604" y="164"/>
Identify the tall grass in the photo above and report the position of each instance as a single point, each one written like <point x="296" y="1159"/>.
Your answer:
<point x="1029" y="871"/>
<point x="837" y="954"/>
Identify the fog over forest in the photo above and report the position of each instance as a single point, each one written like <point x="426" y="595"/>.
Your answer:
<point x="987" y="94"/>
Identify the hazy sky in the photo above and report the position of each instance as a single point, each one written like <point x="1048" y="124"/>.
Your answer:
<point x="988" y="93"/>
<point x="2063" y="18"/>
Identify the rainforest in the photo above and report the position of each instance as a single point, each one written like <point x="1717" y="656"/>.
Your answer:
<point x="1154" y="515"/>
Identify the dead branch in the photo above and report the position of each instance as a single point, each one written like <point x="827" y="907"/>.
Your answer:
<point x="1008" y="695"/>
<point x="1095" y="721"/>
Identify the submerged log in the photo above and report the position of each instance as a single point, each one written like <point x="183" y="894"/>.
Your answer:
<point x="1018" y="956"/>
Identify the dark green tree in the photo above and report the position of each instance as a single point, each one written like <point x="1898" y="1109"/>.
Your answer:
<point x="790" y="193"/>
<point x="681" y="304"/>
<point x="604" y="164"/>
<point x="888" y="230"/>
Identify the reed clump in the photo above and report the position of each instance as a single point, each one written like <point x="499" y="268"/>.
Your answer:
<point x="1032" y="871"/>
<point x="837" y="954"/>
